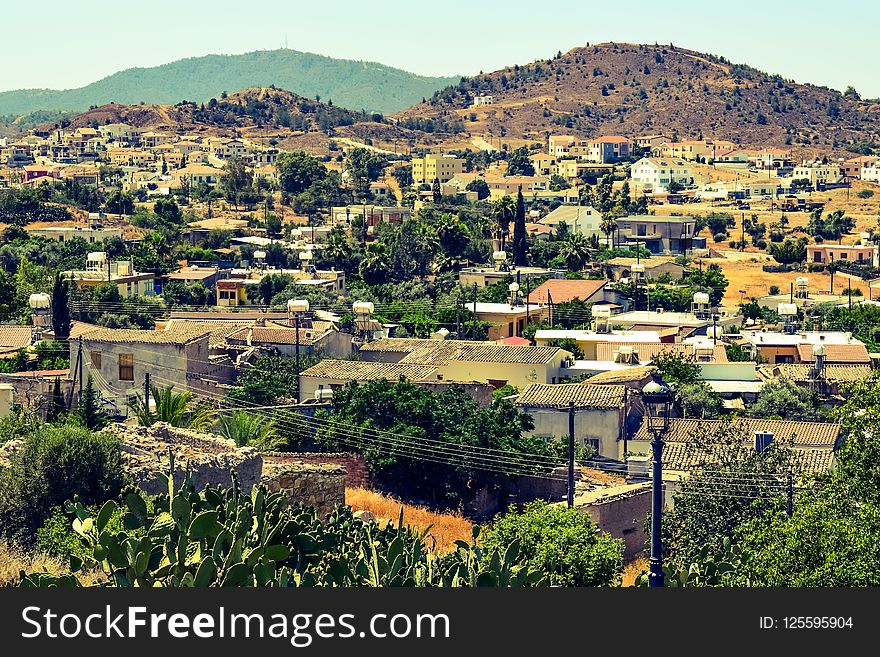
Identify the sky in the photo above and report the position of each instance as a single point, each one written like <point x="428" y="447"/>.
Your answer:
<point x="831" y="44"/>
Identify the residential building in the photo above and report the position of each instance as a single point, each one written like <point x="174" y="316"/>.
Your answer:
<point x="825" y="254"/>
<point x="871" y="173"/>
<point x="483" y="276"/>
<point x="601" y="413"/>
<point x="507" y="320"/>
<point x="193" y="174"/>
<point x="375" y="214"/>
<point x="483" y="100"/>
<point x="656" y="174"/>
<point x="583" y="219"/>
<point x="315" y="336"/>
<point x="655" y="267"/>
<point x="777" y="347"/>
<point x="608" y="149"/>
<point x="659" y="234"/>
<point x="817" y="173"/>
<point x="564" y="290"/>
<point x="852" y="168"/>
<point x="65" y="233"/>
<point x="427" y="169"/>
<point x="118" y="360"/>
<point x="100" y="270"/>
<point x="232" y="291"/>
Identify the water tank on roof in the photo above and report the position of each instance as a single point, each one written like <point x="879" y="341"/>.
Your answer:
<point x="306" y="255"/>
<point x="602" y="312"/>
<point x="701" y="297"/>
<point x="97" y="256"/>
<point x="40" y="301"/>
<point x="362" y="308"/>
<point x="324" y="394"/>
<point x="260" y="255"/>
<point x="297" y="305"/>
<point x="787" y="310"/>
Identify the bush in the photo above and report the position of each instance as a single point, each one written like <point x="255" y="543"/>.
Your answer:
<point x="561" y="542"/>
<point x="774" y="290"/>
<point x="719" y="237"/>
<point x="54" y="464"/>
<point x="865" y="193"/>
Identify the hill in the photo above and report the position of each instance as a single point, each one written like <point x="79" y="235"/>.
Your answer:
<point x="353" y="84"/>
<point x="256" y="107"/>
<point x="634" y="90"/>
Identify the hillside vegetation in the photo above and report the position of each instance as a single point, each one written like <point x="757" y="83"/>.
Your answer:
<point x="640" y="89"/>
<point x="353" y="84"/>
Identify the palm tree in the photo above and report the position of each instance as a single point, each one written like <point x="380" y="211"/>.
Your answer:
<point x="608" y="226"/>
<point x="575" y="250"/>
<point x="504" y="211"/>
<point x="177" y="409"/>
<point x="247" y="429"/>
<point x="374" y="267"/>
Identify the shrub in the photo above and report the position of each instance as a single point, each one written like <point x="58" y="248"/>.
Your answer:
<point x="865" y="193"/>
<point x="774" y="290"/>
<point x="719" y="237"/>
<point x="54" y="464"/>
<point x="560" y="542"/>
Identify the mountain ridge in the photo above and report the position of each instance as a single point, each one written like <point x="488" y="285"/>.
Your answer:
<point x="354" y="84"/>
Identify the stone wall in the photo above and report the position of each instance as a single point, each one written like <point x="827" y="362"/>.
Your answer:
<point x="620" y="511"/>
<point x="208" y="459"/>
<point x="356" y="473"/>
<point x="320" y="486"/>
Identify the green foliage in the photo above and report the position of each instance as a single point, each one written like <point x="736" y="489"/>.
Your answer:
<point x="175" y="408"/>
<point x="678" y="369"/>
<point x="569" y="344"/>
<point x="61" y="307"/>
<point x="791" y="251"/>
<point x="832" y="227"/>
<point x="217" y="537"/>
<point x="53" y="464"/>
<point x="90" y="408"/>
<point x="414" y="414"/>
<point x="785" y="400"/>
<point x="563" y="543"/>
<point x="712" y="279"/>
<point x="736" y="354"/>
<point x="298" y="171"/>
<point x="178" y="293"/>
<point x="697" y="400"/>
<point x="249" y="429"/>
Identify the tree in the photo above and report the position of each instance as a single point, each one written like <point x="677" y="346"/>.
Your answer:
<point x="168" y="211"/>
<point x="677" y="369"/>
<point x="520" y="243"/>
<point x="563" y="543"/>
<point x="608" y="225"/>
<point x="519" y="164"/>
<point x="791" y="251"/>
<point x="697" y="400"/>
<point x="783" y="399"/>
<point x="268" y="380"/>
<point x="237" y="180"/>
<point x="436" y="193"/>
<point x="479" y="186"/>
<point x="712" y="279"/>
<point x="52" y="465"/>
<point x="364" y="166"/>
<point x="177" y="293"/>
<point x="374" y="267"/>
<point x="61" y="307"/>
<point x="56" y="403"/>
<point x="175" y="408"/>
<point x="298" y="171"/>
<point x="504" y="211"/>
<point x="250" y="429"/>
<point x="90" y="409"/>
<point x="575" y="251"/>
<point x="403" y="175"/>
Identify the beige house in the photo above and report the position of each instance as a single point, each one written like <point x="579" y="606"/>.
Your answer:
<point x="600" y="413"/>
<point x="426" y="170"/>
<point x="466" y="361"/>
<point x="118" y="360"/>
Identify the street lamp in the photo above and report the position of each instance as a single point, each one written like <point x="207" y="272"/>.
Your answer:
<point x="294" y="308"/>
<point x="658" y="400"/>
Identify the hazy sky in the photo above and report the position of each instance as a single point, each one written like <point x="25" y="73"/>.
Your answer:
<point x="64" y="44"/>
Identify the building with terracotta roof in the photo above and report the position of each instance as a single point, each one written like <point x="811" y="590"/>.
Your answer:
<point x="14" y="337"/>
<point x="314" y="337"/>
<point x="564" y="290"/>
<point x="812" y="443"/>
<point x="602" y="413"/>
<point x="331" y="374"/>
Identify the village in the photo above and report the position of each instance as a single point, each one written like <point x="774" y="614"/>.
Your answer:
<point x="472" y="327"/>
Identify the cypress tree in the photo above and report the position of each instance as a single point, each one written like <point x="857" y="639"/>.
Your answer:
<point x="61" y="307"/>
<point x="56" y="405"/>
<point x="90" y="411"/>
<point x="520" y="245"/>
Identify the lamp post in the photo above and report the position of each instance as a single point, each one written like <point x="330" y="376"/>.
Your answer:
<point x="658" y="401"/>
<point x="294" y="308"/>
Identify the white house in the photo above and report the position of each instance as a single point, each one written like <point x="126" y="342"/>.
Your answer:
<point x="657" y="173"/>
<point x="817" y="173"/>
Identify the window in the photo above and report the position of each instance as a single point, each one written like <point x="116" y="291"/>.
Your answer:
<point x="817" y="256"/>
<point x="96" y="359"/>
<point x="126" y="367"/>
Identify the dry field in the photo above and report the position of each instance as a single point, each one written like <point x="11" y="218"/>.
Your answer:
<point x="633" y="569"/>
<point x="446" y="528"/>
<point x="14" y="560"/>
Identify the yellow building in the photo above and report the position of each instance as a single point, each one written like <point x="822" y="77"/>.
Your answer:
<point x="436" y="167"/>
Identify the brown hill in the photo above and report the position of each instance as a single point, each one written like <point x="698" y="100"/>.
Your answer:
<point x="635" y="90"/>
<point x="257" y="107"/>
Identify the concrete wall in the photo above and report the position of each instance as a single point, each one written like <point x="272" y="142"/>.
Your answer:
<point x="604" y="425"/>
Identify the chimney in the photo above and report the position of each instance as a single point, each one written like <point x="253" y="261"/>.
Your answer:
<point x="762" y="441"/>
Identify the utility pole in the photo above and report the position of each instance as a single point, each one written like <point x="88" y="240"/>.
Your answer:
<point x="79" y="359"/>
<point x="474" y="322"/>
<point x="296" y="328"/>
<point x="549" y="308"/>
<point x="147" y="392"/>
<point x="742" y="239"/>
<point x="570" y="454"/>
<point x="790" y="501"/>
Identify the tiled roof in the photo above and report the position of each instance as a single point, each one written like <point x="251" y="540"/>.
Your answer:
<point x="78" y="329"/>
<point x="836" y="353"/>
<point x="562" y="290"/>
<point x="805" y="460"/>
<point x="502" y="353"/>
<point x="354" y="370"/>
<point x="136" y="336"/>
<point x="794" y="432"/>
<point x="584" y="395"/>
<point x="404" y="345"/>
<point x="649" y="350"/>
<point x="649" y="263"/>
<point x="264" y="335"/>
<point x="15" y="335"/>
<point x="219" y="330"/>
<point x="628" y="375"/>
<point x="804" y="372"/>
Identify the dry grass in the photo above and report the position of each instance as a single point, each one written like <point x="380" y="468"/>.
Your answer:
<point x="446" y="528"/>
<point x="13" y="560"/>
<point x="633" y="569"/>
